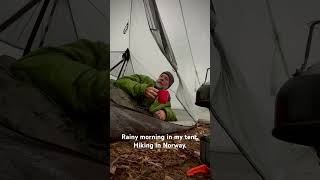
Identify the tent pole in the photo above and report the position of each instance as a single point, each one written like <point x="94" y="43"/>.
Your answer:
<point x="36" y="27"/>
<point x="18" y="14"/>
<point x="125" y="57"/>
<point x="124" y="62"/>
<point x="48" y="23"/>
<point x="117" y="64"/>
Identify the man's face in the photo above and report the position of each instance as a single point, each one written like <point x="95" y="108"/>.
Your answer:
<point x="163" y="82"/>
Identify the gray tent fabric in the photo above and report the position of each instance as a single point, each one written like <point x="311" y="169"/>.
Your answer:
<point x="25" y="158"/>
<point x="158" y="31"/>
<point x="38" y="139"/>
<point x="154" y="27"/>
<point x="67" y="23"/>
<point x="27" y="111"/>
<point x="246" y="71"/>
<point x="126" y="117"/>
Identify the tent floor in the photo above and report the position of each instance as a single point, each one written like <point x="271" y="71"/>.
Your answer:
<point x="231" y="166"/>
<point x="129" y="162"/>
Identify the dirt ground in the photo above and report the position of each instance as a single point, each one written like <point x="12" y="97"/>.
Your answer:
<point x="131" y="163"/>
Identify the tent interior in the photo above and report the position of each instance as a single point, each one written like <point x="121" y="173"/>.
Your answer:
<point x="256" y="46"/>
<point x="163" y="36"/>
<point x="29" y="25"/>
<point x="36" y="142"/>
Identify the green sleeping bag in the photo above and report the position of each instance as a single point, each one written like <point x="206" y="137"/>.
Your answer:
<point x="75" y="75"/>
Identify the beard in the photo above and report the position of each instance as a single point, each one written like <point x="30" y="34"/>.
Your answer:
<point x="160" y="87"/>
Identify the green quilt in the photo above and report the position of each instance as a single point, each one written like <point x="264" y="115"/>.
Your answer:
<point x="78" y="87"/>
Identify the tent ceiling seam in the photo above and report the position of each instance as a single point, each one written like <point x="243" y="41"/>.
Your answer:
<point x="189" y="44"/>
<point x="43" y="34"/>
<point x="277" y="37"/>
<point x="26" y="23"/>
<point x="10" y="44"/>
<point x="18" y="14"/>
<point x="36" y="27"/>
<point x="129" y="26"/>
<point x="101" y="13"/>
<point x="72" y="20"/>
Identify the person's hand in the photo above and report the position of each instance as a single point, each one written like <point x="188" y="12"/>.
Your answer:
<point x="151" y="93"/>
<point x="161" y="114"/>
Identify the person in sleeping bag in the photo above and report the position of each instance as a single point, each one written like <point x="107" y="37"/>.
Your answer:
<point x="151" y="94"/>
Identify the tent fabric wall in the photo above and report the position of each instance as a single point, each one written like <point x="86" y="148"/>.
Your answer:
<point x="25" y="158"/>
<point x="154" y="62"/>
<point x="146" y="56"/>
<point x="244" y="84"/>
<point x="37" y="141"/>
<point x="71" y="20"/>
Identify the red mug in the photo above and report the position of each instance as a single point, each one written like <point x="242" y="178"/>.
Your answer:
<point x="163" y="96"/>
